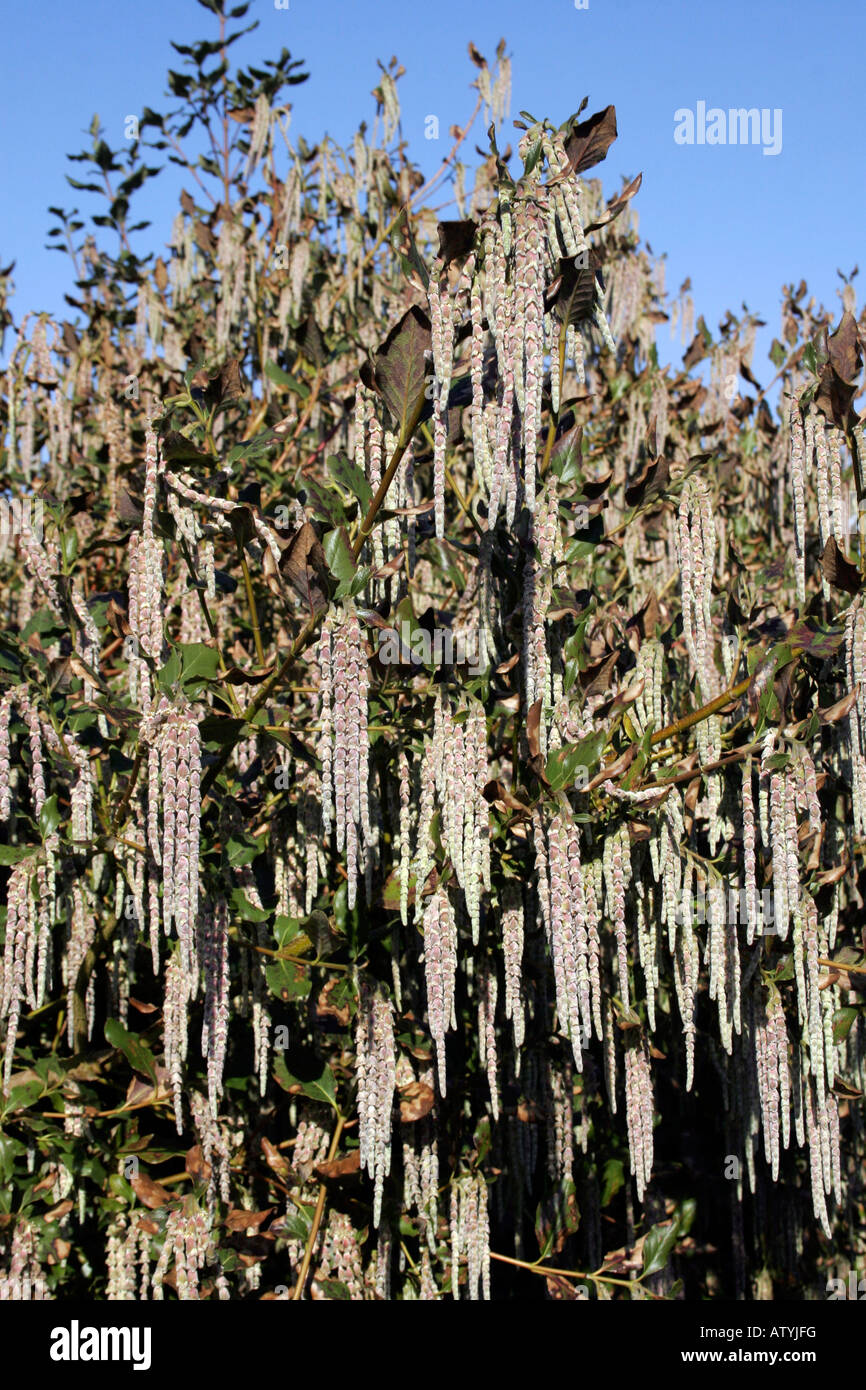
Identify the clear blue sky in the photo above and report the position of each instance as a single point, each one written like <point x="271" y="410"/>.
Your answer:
<point x="738" y="221"/>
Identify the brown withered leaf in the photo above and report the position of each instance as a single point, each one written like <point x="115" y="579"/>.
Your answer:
<point x="839" y="710"/>
<point x="477" y="58"/>
<point x="615" y="769"/>
<point x="340" y="1167"/>
<point x="160" y="275"/>
<point x="834" y="875"/>
<point x="204" y="238"/>
<point x="46" y="1184"/>
<point x="240" y="1220"/>
<point x="595" y="680"/>
<point x="591" y="139"/>
<point x="838" y="569"/>
<point x="60" y="1210"/>
<point x="325" y="1009"/>
<point x="151" y="1194"/>
<point x="228" y="381"/>
<point x="533" y="724"/>
<point x="274" y="1159"/>
<point x="305" y="569"/>
<point x="195" y="1164"/>
<point x="696" y="352"/>
<point x="647" y="617"/>
<point x="416" y="1101"/>
<point x="142" y="1007"/>
<point x="140" y="1092"/>
<point x="615" y="207"/>
<point x="117" y="618"/>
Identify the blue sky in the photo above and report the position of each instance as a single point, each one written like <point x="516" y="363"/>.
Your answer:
<point x="739" y="222"/>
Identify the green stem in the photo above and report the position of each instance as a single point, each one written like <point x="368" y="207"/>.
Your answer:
<point x="251" y="605"/>
<point x="381" y="491"/>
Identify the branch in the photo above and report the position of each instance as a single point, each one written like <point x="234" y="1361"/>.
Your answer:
<point x="298" y="1291"/>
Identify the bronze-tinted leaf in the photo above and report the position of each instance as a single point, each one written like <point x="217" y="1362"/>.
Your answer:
<point x="591" y="139"/>
<point x="456" y="239"/>
<point x="651" y="483"/>
<point x="242" y="523"/>
<point x="176" y="448"/>
<point x="400" y="368"/>
<point x="838" y="376"/>
<point x="838" y="569"/>
<point x="574" y="299"/>
<point x="305" y="570"/>
<point x="235" y="676"/>
<point x="308" y="336"/>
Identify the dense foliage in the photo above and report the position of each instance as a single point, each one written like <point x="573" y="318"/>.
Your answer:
<point x="432" y="737"/>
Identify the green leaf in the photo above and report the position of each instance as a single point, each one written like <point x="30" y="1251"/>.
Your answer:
<point x="13" y="854"/>
<point x="586" y="540"/>
<point x="49" y="817"/>
<point x="612" y="1181"/>
<point x="575" y="761"/>
<point x="241" y="849"/>
<point x="245" y="909"/>
<point x="200" y="664"/>
<point x="168" y="675"/>
<point x="281" y="378"/>
<point x="349" y="477"/>
<point x="335" y="1289"/>
<point x="341" y="561"/>
<point x="320" y="1089"/>
<point x="134" y="1050"/>
<point x="220" y="729"/>
<point x="658" y="1246"/>
<point x="287" y="980"/>
<point x="566" y="460"/>
<point x="842" y="1021"/>
<point x="777" y="353"/>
